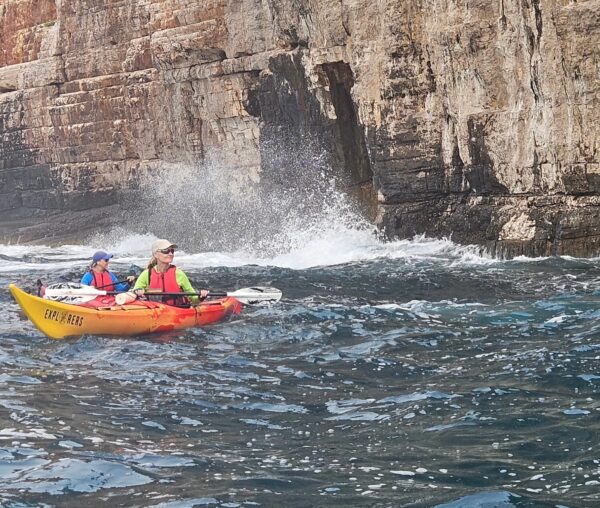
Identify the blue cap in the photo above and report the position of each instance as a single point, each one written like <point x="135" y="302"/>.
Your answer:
<point x="100" y="255"/>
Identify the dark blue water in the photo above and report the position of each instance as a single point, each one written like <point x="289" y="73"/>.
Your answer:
<point x="415" y="374"/>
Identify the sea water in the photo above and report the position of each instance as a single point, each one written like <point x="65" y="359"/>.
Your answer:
<point x="412" y="373"/>
<point x="407" y="373"/>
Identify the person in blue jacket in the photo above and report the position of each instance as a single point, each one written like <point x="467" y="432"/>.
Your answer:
<point x="99" y="276"/>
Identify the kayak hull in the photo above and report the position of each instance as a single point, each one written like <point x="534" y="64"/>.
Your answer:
<point x="60" y="320"/>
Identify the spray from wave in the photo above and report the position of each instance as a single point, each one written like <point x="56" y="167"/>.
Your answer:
<point x="217" y="207"/>
<point x="292" y="214"/>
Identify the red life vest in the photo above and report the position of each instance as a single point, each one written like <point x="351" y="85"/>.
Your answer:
<point x="166" y="282"/>
<point x="102" y="280"/>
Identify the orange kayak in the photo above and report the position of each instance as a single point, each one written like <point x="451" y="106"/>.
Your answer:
<point x="103" y="317"/>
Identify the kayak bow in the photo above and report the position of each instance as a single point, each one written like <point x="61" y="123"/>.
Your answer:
<point x="59" y="320"/>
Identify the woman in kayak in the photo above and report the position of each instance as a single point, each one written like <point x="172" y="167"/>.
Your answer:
<point x="100" y="277"/>
<point x="162" y="275"/>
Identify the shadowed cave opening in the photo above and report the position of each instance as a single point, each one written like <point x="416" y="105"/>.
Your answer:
<point x="351" y="146"/>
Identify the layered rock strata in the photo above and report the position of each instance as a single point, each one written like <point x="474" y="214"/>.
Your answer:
<point x="470" y="119"/>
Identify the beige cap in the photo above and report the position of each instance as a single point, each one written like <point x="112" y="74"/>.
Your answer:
<point x="162" y="244"/>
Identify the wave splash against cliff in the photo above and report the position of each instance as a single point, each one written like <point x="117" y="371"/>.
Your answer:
<point x="219" y="207"/>
<point x="291" y="215"/>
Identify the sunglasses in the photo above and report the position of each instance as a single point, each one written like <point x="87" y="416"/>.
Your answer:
<point x="170" y="250"/>
<point x="106" y="259"/>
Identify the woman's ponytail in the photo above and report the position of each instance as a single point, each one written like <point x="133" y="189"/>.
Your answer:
<point x="151" y="263"/>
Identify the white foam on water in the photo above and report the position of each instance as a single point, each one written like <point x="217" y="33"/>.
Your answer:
<point x="18" y="258"/>
<point x="329" y="246"/>
<point x="12" y="433"/>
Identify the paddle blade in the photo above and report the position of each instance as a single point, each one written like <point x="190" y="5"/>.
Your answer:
<point x="71" y="292"/>
<point x="257" y="295"/>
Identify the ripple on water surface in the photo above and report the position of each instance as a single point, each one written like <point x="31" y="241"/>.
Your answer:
<point x="406" y="380"/>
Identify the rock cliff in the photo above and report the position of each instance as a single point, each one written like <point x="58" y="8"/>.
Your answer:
<point x="470" y="119"/>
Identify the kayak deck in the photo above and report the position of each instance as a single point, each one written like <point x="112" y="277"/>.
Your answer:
<point x="59" y="320"/>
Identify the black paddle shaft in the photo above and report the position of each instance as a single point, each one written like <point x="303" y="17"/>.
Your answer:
<point x="117" y="282"/>
<point x="164" y="293"/>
